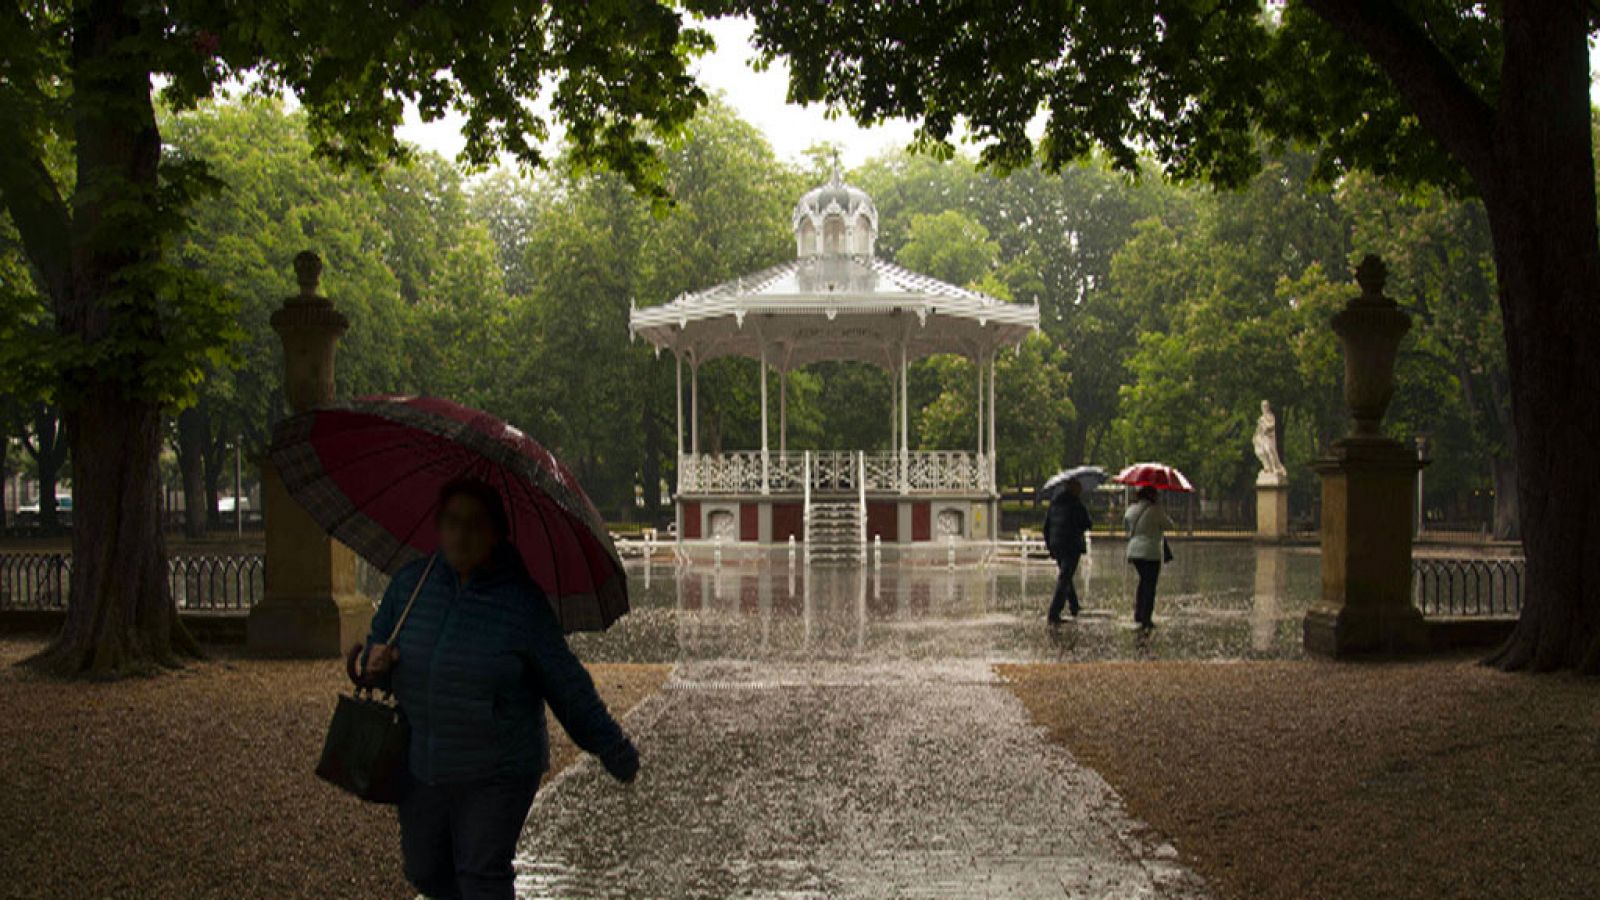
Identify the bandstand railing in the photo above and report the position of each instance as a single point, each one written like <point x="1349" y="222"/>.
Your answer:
<point x="835" y="472"/>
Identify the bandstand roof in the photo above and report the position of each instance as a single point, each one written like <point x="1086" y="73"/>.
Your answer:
<point x="835" y="301"/>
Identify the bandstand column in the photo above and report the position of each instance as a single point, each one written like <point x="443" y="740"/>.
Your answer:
<point x="978" y="369"/>
<point x="993" y="469"/>
<point x="905" y="421"/>
<point x="764" y="418"/>
<point x="894" y="410"/>
<point x="677" y="396"/>
<point x="783" y="413"/>
<point x="694" y="405"/>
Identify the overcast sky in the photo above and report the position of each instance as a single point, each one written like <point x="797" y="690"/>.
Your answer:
<point x="759" y="98"/>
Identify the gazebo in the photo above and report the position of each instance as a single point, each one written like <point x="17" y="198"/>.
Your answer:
<point x="836" y="300"/>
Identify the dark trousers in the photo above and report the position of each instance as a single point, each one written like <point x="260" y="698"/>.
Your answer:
<point x="1144" y="604"/>
<point x="1066" y="596"/>
<point x="458" y="839"/>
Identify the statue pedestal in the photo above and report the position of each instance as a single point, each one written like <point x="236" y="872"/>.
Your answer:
<point x="1366" y="604"/>
<point x="1272" y="507"/>
<point x="311" y="607"/>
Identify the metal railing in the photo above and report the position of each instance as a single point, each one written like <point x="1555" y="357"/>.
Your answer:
<point x="232" y="582"/>
<point x="201" y="582"/>
<point x="35" y="580"/>
<point x="1468" y="587"/>
<point x="835" y="472"/>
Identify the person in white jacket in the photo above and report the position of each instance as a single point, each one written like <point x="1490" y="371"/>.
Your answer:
<point x="1147" y="525"/>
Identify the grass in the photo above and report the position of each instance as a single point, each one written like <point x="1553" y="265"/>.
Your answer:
<point x="1422" y="779"/>
<point x="198" y="783"/>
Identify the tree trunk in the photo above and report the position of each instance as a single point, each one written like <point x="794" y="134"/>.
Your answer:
<point x="191" y="467"/>
<point x="1507" y="514"/>
<point x="1541" y="205"/>
<point x="217" y="463"/>
<point x="650" y="467"/>
<point x="49" y="452"/>
<point x="120" y="613"/>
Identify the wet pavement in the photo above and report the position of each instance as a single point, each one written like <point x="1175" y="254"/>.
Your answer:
<point x="1216" y="601"/>
<point x="841" y="780"/>
<point x="841" y="733"/>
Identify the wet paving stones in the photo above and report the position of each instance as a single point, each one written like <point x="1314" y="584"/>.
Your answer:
<point x="777" y="778"/>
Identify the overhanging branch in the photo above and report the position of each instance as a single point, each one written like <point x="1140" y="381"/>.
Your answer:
<point x="39" y="214"/>
<point x="1445" y="104"/>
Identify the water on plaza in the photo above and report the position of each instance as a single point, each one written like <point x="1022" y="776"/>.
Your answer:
<point x="1216" y="601"/>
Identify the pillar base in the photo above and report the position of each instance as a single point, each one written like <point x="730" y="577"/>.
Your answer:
<point x="312" y="607"/>
<point x="1272" y="507"/>
<point x="1366" y="608"/>
<point x="1354" y="631"/>
<point x="308" y="626"/>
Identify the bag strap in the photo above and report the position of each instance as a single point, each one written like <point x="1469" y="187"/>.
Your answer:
<point x="414" y="592"/>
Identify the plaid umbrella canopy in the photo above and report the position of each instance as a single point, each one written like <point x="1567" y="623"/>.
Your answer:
<point x="369" y="472"/>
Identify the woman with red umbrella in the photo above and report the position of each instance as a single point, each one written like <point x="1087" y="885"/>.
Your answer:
<point x="495" y="552"/>
<point x="1147" y="525"/>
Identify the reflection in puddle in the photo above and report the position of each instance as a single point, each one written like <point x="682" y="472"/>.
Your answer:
<point x="1215" y="601"/>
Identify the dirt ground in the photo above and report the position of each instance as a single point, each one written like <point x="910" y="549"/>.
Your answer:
<point x="198" y="784"/>
<point x="1307" y="779"/>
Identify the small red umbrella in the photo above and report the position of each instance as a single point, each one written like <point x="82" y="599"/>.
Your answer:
<point x="1160" y="476"/>
<point x="369" y="472"/>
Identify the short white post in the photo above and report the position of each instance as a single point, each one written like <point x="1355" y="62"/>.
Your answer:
<point x="716" y="553"/>
<point x="877" y="551"/>
<point x="950" y="551"/>
<point x="791" y="551"/>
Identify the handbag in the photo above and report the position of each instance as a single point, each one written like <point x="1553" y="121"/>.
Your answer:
<point x="368" y="745"/>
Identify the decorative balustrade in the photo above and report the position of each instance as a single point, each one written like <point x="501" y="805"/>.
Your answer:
<point x="210" y="582"/>
<point x="1468" y="587"/>
<point x="842" y="472"/>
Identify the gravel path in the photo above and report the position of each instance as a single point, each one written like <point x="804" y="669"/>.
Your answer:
<point x="1397" y="780"/>
<point x="196" y="784"/>
<point x="841" y="780"/>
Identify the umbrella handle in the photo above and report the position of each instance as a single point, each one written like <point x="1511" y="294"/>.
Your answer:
<point x="359" y="679"/>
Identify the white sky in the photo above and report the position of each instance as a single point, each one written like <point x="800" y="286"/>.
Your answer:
<point x="760" y="98"/>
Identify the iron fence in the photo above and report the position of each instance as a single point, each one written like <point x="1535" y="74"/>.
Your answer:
<point x="34" y="580"/>
<point x="202" y="582"/>
<point x="1468" y="587"/>
<point x="231" y="582"/>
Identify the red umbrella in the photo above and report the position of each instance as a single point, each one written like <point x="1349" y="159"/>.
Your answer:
<point x="370" y="471"/>
<point x="1160" y="476"/>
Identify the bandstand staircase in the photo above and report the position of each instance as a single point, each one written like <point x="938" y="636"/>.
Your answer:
<point x="833" y="532"/>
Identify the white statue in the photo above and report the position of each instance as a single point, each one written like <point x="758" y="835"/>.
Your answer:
<point x="1266" y="445"/>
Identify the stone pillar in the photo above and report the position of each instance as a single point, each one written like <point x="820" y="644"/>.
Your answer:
<point x="312" y="607"/>
<point x="1367" y="481"/>
<point x="1272" y="507"/>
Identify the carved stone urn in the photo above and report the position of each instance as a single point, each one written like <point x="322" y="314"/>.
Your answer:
<point x="310" y="328"/>
<point x="1370" y="328"/>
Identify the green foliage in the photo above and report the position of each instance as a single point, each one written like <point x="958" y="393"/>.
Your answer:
<point x="950" y="246"/>
<point x="1191" y="83"/>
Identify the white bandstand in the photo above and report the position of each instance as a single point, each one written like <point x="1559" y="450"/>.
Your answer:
<point x="835" y="301"/>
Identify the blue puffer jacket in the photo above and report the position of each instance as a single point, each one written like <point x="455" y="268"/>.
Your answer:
<point x="477" y="664"/>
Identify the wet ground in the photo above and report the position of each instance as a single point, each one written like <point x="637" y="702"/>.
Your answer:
<point x="841" y="733"/>
<point x="1216" y="601"/>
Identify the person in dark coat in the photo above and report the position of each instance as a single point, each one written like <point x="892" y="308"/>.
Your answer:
<point x="1065" y="525"/>
<point x="477" y="659"/>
